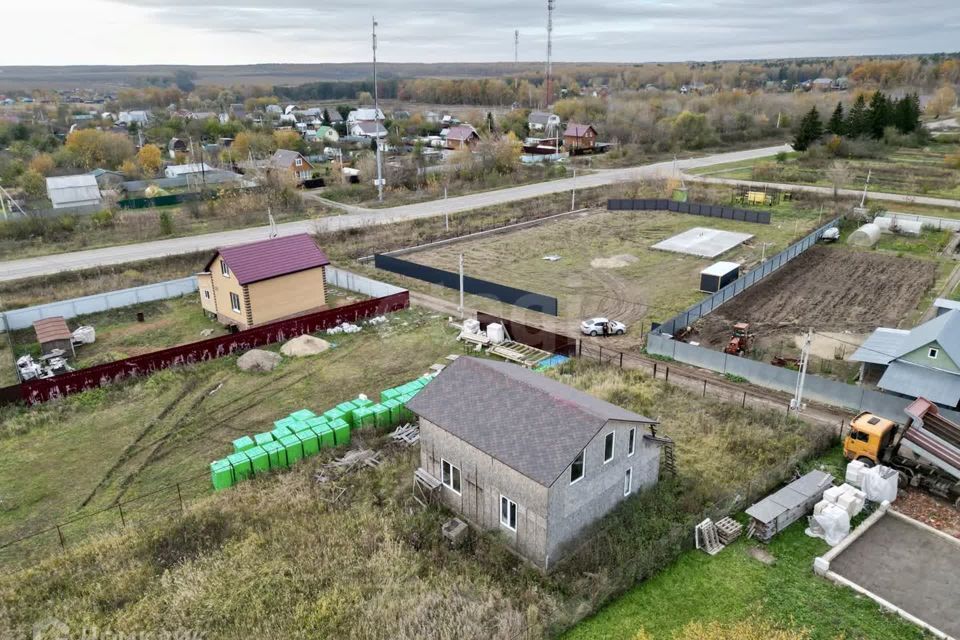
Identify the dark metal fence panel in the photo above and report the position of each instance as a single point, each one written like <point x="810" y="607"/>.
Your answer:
<point x="691" y="208"/>
<point x="484" y="288"/>
<point x="532" y="336"/>
<point x="42" y="390"/>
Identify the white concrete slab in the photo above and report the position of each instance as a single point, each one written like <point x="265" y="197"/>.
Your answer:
<point x="703" y="242"/>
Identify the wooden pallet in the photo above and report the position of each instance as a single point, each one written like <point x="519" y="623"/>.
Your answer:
<point x="520" y="353"/>
<point x="728" y="530"/>
<point x="707" y="538"/>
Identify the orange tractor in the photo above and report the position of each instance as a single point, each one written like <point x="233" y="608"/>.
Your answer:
<point x="740" y="341"/>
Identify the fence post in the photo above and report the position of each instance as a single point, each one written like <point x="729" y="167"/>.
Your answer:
<point x="654" y="370"/>
<point x="621" y="359"/>
<point x="704" y="388"/>
<point x="123" y="521"/>
<point x="600" y="357"/>
<point x="60" y="535"/>
<point x="180" y="498"/>
<point x="667" y="376"/>
<point x="743" y="405"/>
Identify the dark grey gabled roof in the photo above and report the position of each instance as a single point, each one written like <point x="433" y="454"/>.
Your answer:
<point x="527" y="421"/>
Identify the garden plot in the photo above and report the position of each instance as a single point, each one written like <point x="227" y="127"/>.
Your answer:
<point x="835" y="289"/>
<point x="606" y="266"/>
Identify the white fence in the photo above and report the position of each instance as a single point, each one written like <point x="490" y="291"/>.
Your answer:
<point x="815" y="388"/>
<point x="360" y="284"/>
<point x="24" y="318"/>
<point x="928" y="222"/>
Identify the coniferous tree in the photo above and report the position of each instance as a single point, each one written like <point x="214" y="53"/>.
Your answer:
<point x="809" y="131"/>
<point x="856" y="125"/>
<point x="836" y="125"/>
<point x="878" y="115"/>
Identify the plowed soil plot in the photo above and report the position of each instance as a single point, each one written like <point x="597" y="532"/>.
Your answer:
<point x="827" y="289"/>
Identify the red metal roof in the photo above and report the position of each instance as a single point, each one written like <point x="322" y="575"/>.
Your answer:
<point x="50" y="329"/>
<point x="272" y="258"/>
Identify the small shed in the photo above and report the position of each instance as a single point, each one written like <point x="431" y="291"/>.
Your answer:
<point x="53" y="333"/>
<point x="779" y="510"/>
<point x="718" y="275"/>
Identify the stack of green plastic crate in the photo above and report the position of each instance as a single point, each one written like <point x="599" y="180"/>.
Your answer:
<point x="299" y="435"/>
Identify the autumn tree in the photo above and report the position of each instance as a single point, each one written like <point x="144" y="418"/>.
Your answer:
<point x="252" y="143"/>
<point x="103" y="149"/>
<point x="288" y="140"/>
<point x="942" y="102"/>
<point x="42" y="163"/>
<point x="150" y="159"/>
<point x="33" y="184"/>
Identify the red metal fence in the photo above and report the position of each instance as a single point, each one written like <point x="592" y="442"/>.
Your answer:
<point x="36" y="391"/>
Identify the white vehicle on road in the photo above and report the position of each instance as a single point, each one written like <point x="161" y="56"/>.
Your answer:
<point x="595" y="327"/>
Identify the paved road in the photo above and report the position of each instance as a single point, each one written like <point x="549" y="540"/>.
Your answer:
<point x="871" y="195"/>
<point x="356" y="217"/>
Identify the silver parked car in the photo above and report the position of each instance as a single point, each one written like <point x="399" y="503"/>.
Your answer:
<point x="595" y="327"/>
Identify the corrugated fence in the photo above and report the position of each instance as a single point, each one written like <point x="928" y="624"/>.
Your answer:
<point x="24" y="318"/>
<point x="692" y="208"/>
<point x="485" y="288"/>
<point x="37" y="391"/>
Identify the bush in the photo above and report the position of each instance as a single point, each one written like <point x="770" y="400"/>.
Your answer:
<point x="102" y="219"/>
<point x="166" y="223"/>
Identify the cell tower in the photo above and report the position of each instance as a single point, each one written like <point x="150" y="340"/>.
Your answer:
<point x="549" y="96"/>
<point x="516" y="47"/>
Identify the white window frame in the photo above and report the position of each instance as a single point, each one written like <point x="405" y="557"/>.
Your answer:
<point x="235" y="297"/>
<point x="224" y="269"/>
<point x="628" y="481"/>
<point x="613" y="446"/>
<point x="933" y="353"/>
<point x="443" y="479"/>
<point x="506" y="523"/>
<point x="583" y="467"/>
<point x="632" y="442"/>
<point x="298" y="162"/>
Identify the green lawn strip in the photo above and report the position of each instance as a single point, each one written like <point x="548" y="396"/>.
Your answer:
<point x="734" y="586"/>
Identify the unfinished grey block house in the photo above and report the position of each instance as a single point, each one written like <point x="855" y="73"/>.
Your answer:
<point x="523" y="454"/>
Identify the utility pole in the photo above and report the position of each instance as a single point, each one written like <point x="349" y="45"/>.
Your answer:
<point x="549" y="83"/>
<point x="461" y="287"/>
<point x="376" y="114"/>
<point x="797" y="402"/>
<point x="866" y="184"/>
<point x="573" y="191"/>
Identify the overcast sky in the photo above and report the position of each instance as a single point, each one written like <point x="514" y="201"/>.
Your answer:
<point x="59" y="32"/>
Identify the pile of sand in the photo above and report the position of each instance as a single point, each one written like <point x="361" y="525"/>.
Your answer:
<point x="614" y="262"/>
<point x="258" y="360"/>
<point x="305" y="345"/>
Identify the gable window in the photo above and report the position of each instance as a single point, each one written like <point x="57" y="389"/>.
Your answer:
<point x="451" y="476"/>
<point x="627" y="482"/>
<point x="632" y="443"/>
<point x="608" y="447"/>
<point x="508" y="513"/>
<point x="299" y="162"/>
<point x="224" y="269"/>
<point x="235" y="302"/>
<point x="933" y="352"/>
<point x="206" y="294"/>
<point x="576" y="469"/>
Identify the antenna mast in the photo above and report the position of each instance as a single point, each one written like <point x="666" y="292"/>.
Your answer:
<point x="549" y="96"/>
<point x="376" y="115"/>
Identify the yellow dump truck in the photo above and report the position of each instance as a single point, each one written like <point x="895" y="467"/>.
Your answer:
<point x="926" y="450"/>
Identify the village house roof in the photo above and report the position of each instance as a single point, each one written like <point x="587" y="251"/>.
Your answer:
<point x="578" y="130"/>
<point x="462" y="132"/>
<point x="272" y="258"/>
<point x="529" y="422"/>
<point x="284" y="158"/>
<point x="540" y="117"/>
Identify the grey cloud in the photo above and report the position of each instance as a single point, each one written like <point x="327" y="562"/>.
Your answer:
<point x="603" y="30"/>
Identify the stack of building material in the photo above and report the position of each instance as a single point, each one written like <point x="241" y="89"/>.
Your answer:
<point x="728" y="530"/>
<point x="847" y="497"/>
<point x="707" y="537"/>
<point x="779" y="510"/>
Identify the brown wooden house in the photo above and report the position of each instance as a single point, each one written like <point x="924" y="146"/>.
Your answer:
<point x="293" y="163"/>
<point x="462" y="136"/>
<point x="579" y="137"/>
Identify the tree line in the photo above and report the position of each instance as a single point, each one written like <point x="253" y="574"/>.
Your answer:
<point x="862" y="120"/>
